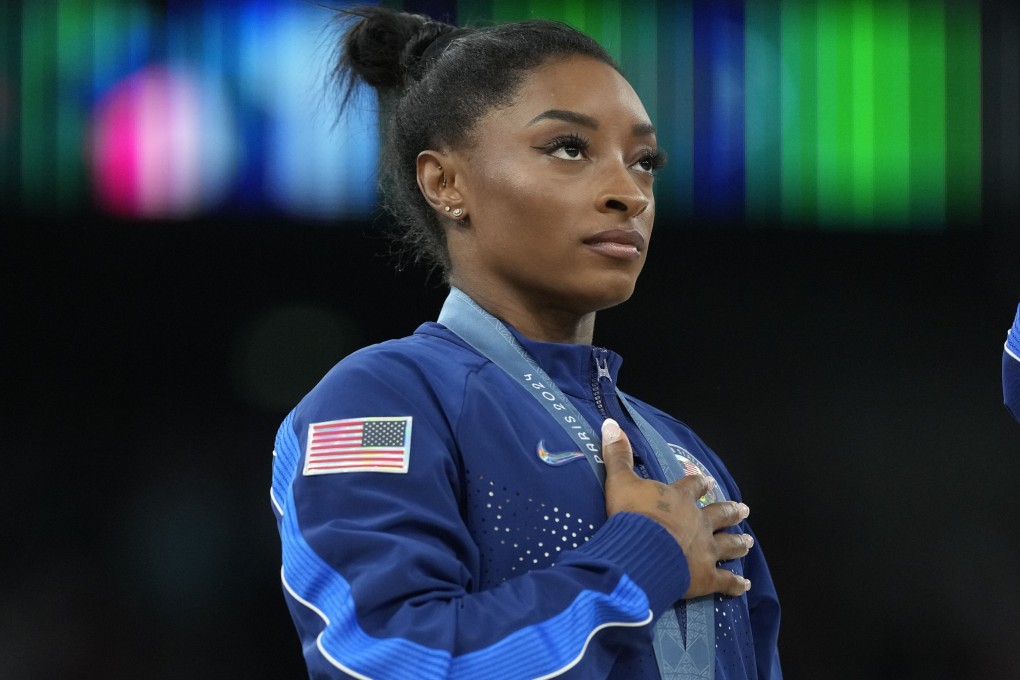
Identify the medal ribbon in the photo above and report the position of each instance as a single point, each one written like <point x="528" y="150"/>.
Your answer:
<point x="694" y="660"/>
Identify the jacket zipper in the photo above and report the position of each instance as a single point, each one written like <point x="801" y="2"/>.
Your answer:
<point x="601" y="376"/>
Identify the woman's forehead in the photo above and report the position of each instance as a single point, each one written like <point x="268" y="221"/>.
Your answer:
<point x="579" y="85"/>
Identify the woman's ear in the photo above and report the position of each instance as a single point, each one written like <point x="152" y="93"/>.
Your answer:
<point x="437" y="179"/>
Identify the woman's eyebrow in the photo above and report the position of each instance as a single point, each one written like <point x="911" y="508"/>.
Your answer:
<point x="568" y="116"/>
<point x="638" y="130"/>
<point x="643" y="130"/>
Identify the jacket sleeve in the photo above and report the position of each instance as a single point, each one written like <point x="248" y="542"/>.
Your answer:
<point x="1011" y="368"/>
<point x="380" y="569"/>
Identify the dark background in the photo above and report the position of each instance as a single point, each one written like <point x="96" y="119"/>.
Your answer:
<point x="851" y="382"/>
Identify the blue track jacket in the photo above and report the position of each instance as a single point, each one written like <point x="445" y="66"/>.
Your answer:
<point x="491" y="555"/>
<point x="1011" y="368"/>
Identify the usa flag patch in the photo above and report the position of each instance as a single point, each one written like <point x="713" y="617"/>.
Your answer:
<point x="377" y="444"/>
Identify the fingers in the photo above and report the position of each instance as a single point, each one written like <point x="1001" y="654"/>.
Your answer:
<point x="731" y="584"/>
<point x="730" y="546"/>
<point x="717" y="580"/>
<point x="699" y="532"/>
<point x="725" y="514"/>
<point x="616" y="450"/>
<point x="696" y="485"/>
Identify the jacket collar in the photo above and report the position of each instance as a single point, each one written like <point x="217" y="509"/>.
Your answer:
<point x="570" y="366"/>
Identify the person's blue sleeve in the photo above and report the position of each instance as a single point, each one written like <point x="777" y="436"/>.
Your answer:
<point x="1011" y="368"/>
<point x="380" y="568"/>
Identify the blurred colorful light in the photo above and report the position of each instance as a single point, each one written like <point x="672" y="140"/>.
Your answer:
<point x="161" y="147"/>
<point x="838" y="114"/>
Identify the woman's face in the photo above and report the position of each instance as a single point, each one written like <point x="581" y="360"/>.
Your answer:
<point x="558" y="192"/>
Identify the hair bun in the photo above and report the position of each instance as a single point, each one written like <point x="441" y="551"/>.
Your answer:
<point x="384" y="48"/>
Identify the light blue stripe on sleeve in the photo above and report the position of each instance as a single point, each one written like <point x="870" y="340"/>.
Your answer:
<point x="539" y="650"/>
<point x="285" y="461"/>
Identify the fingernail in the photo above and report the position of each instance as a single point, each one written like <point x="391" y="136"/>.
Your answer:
<point x="610" y="431"/>
<point x="749" y="541"/>
<point x="747" y="585"/>
<point x="743" y="510"/>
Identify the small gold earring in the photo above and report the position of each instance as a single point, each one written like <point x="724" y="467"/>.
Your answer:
<point x="447" y="208"/>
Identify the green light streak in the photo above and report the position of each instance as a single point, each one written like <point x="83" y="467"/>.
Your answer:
<point x="8" y="78"/>
<point x="504" y="11"/>
<point x="863" y="127"/>
<point x="546" y="9"/>
<point x="640" y="52"/>
<point x="675" y="115"/>
<point x="927" y="173"/>
<point x="963" y="113"/>
<point x="808" y="112"/>
<point x="892" y="121"/>
<point x="603" y="21"/>
<point x="834" y="114"/>
<point x="73" y="68"/>
<point x="38" y="104"/>
<point x="474" y="12"/>
<point x="763" y="111"/>
<point x="790" y="57"/>
<point x="800" y="118"/>
<point x="575" y="13"/>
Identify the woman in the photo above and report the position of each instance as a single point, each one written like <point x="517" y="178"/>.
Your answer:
<point x="440" y="497"/>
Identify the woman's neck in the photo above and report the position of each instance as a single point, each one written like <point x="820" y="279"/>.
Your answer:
<point x="542" y="322"/>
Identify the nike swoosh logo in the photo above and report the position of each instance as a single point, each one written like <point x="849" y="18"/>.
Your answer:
<point x="557" y="458"/>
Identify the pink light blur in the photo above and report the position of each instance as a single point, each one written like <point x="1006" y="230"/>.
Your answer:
<point x="146" y="155"/>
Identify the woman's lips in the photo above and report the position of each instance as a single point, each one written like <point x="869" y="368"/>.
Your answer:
<point x="624" y="244"/>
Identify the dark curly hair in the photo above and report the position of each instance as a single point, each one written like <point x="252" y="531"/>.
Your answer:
<point x="435" y="81"/>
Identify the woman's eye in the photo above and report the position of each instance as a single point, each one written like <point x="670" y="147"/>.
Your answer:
<point x="651" y="162"/>
<point x="570" y="152"/>
<point x="567" y="148"/>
